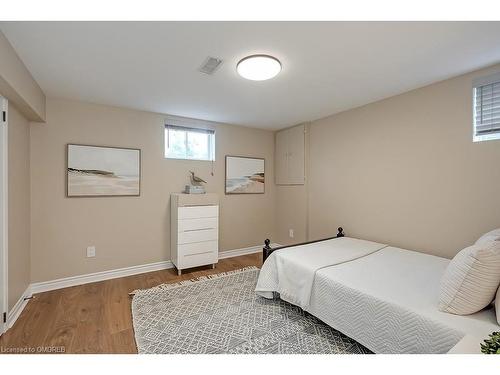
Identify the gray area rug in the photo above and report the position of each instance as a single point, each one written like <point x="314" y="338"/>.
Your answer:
<point x="222" y="314"/>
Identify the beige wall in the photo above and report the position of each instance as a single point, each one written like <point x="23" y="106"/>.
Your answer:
<point x="19" y="205"/>
<point x="130" y="231"/>
<point x="292" y="206"/>
<point x="17" y="84"/>
<point x="405" y="171"/>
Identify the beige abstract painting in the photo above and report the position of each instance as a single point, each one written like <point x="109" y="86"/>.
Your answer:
<point x="245" y="175"/>
<point x="102" y="171"/>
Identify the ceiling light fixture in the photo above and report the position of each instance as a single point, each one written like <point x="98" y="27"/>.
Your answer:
<point x="258" y="67"/>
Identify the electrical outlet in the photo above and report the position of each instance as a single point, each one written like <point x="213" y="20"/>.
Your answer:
<point x="290" y="233"/>
<point x="90" y="251"/>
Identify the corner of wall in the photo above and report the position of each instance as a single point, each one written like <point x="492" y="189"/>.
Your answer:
<point x="18" y="85"/>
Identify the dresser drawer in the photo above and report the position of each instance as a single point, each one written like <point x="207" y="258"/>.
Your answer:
<point x="186" y="225"/>
<point x="197" y="212"/>
<point x="198" y="236"/>
<point x="195" y="260"/>
<point x="198" y="248"/>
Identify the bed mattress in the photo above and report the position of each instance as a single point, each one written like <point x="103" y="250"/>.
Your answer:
<point x="388" y="300"/>
<point x="291" y="271"/>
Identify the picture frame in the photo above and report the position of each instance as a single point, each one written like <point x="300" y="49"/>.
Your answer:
<point x="244" y="175"/>
<point x="102" y="171"/>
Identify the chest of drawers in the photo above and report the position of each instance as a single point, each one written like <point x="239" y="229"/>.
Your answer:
<point x="194" y="230"/>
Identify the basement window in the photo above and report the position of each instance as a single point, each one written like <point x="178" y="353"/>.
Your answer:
<point x="486" y="108"/>
<point x="189" y="143"/>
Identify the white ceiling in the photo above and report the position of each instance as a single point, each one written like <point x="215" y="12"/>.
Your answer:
<point x="328" y="67"/>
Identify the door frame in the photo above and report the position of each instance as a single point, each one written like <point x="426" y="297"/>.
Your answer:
<point x="4" y="301"/>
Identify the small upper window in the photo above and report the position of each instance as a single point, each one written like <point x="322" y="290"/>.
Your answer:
<point x="189" y="143"/>
<point x="487" y="109"/>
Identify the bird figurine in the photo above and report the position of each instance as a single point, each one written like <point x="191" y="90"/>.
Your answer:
<point x="195" y="180"/>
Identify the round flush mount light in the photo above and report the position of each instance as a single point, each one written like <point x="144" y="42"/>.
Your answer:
<point x="258" y="67"/>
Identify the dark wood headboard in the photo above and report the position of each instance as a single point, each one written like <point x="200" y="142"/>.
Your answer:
<point x="267" y="249"/>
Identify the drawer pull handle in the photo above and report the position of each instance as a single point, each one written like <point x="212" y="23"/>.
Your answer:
<point x="197" y="230"/>
<point x="198" y="205"/>
<point x="205" y="252"/>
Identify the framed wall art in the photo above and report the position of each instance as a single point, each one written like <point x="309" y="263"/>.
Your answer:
<point x="245" y="175"/>
<point x="97" y="171"/>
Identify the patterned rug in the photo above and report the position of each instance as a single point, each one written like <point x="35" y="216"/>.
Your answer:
<point x="222" y="314"/>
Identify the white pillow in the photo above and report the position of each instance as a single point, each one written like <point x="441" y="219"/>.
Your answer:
<point x="497" y="305"/>
<point x="471" y="279"/>
<point x="493" y="235"/>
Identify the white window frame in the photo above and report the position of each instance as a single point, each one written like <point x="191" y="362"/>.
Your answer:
<point x="482" y="81"/>
<point x="194" y="126"/>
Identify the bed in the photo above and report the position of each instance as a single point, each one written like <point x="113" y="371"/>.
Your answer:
<point x="381" y="296"/>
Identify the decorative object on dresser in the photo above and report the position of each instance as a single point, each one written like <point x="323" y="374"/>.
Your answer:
<point x="196" y="186"/>
<point x="245" y="175"/>
<point x="195" y="180"/>
<point x="194" y="230"/>
<point x="97" y="171"/>
<point x="194" y="189"/>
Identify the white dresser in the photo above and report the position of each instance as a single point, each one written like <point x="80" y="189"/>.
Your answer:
<point x="194" y="229"/>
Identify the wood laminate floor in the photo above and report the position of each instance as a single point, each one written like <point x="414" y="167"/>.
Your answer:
<point x="96" y="318"/>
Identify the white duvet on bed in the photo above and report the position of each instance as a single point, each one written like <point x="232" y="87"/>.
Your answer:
<point x="388" y="300"/>
<point x="291" y="271"/>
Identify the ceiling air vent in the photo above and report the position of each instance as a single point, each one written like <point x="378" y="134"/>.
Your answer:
<point x="210" y="65"/>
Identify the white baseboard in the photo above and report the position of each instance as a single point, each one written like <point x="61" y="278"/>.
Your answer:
<point x="243" y="251"/>
<point x="18" y="307"/>
<point x="66" y="282"/>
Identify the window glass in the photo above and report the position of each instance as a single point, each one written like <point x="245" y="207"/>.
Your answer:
<point x="194" y="144"/>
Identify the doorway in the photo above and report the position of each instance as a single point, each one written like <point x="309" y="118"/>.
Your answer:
<point x="3" y="215"/>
